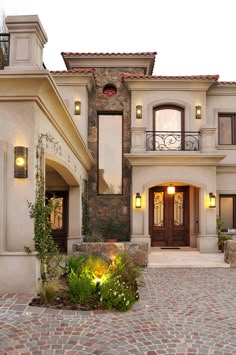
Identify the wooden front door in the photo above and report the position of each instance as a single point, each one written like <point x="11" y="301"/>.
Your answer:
<point x="59" y="217"/>
<point x="169" y="217"/>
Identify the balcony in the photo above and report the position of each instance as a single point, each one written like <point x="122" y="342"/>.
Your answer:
<point x="4" y="50"/>
<point x="172" y="141"/>
<point x="164" y="143"/>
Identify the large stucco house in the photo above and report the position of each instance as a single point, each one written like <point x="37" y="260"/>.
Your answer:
<point x="109" y="130"/>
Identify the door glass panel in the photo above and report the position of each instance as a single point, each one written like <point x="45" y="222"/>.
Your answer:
<point x="168" y="120"/>
<point x="56" y="216"/>
<point x="226" y="212"/>
<point x="179" y="209"/>
<point x="158" y="208"/>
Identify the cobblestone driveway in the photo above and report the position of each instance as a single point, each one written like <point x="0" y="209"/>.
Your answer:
<point x="181" y="311"/>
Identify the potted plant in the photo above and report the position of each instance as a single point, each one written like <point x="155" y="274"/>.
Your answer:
<point x="221" y="236"/>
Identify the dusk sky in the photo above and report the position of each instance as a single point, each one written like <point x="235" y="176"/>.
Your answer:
<point x="191" y="37"/>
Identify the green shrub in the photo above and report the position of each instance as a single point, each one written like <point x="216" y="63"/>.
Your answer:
<point x="75" y="264"/>
<point x="81" y="289"/>
<point x="115" y="294"/>
<point x="125" y="268"/>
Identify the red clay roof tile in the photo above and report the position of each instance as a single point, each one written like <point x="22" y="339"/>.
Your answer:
<point x="185" y="77"/>
<point x="148" y="54"/>
<point x="226" y="83"/>
<point x="74" y="71"/>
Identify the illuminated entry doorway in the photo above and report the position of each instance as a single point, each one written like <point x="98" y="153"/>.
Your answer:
<point x="59" y="218"/>
<point x="169" y="217"/>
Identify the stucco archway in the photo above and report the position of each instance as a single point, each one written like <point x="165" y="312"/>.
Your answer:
<point x="64" y="185"/>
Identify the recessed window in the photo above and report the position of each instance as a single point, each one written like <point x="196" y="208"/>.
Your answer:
<point x="109" y="90"/>
<point x="110" y="154"/>
<point x="227" y="128"/>
<point x="228" y="211"/>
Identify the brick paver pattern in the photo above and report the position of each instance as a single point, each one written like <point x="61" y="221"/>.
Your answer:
<point x="180" y="311"/>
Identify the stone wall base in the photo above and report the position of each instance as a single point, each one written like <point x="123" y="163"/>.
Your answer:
<point x="207" y="243"/>
<point x="230" y="252"/>
<point x="138" y="251"/>
<point x="71" y="242"/>
<point x="19" y="272"/>
<point x="138" y="238"/>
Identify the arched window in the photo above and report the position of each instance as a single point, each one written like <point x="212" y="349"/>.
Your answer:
<point x="168" y="118"/>
<point x="168" y="129"/>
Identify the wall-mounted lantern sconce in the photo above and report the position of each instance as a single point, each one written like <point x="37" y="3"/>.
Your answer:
<point x="77" y="107"/>
<point x="138" y="200"/>
<point x="20" y="162"/>
<point x="171" y="190"/>
<point x="198" y="112"/>
<point x="139" y="111"/>
<point x="212" y="200"/>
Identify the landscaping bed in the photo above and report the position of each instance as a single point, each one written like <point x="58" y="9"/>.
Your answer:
<point x="91" y="283"/>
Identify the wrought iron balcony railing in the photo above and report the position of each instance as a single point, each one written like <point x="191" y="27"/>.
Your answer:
<point x="164" y="140"/>
<point x="4" y="49"/>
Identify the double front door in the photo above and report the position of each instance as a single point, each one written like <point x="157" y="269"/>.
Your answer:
<point x="169" y="217"/>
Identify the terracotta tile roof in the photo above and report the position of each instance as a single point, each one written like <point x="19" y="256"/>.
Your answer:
<point x="226" y="83"/>
<point x="74" y="71"/>
<point x="148" y="54"/>
<point x="160" y="77"/>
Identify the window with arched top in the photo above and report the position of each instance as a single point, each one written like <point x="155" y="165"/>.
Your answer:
<point x="168" y="118"/>
<point x="168" y="129"/>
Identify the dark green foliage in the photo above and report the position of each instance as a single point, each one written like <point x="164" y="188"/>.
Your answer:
<point x="75" y="264"/>
<point x="116" y="294"/>
<point x="81" y="288"/>
<point x="43" y="240"/>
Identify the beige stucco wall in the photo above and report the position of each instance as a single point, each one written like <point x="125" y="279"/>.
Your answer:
<point x="17" y="121"/>
<point x="149" y="176"/>
<point x="19" y="272"/>
<point x="186" y="99"/>
<point x="72" y="91"/>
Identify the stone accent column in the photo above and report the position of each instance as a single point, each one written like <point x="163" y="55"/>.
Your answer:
<point x="27" y="39"/>
<point x="138" y="140"/>
<point x="231" y="250"/>
<point x="208" y="140"/>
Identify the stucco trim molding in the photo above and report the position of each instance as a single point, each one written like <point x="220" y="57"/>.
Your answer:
<point x="180" y="159"/>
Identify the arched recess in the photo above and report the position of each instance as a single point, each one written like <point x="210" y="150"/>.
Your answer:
<point x="169" y="102"/>
<point x="62" y="186"/>
<point x="192" y="218"/>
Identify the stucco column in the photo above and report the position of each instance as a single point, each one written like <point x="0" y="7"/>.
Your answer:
<point x="208" y="140"/>
<point x="3" y="192"/>
<point x="138" y="139"/>
<point x="74" y="229"/>
<point x="27" y="41"/>
<point x="207" y="239"/>
<point x="137" y="217"/>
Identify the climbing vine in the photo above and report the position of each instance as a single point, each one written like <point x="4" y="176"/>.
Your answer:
<point x="40" y="211"/>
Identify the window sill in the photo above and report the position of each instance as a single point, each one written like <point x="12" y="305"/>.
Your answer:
<point x="226" y="147"/>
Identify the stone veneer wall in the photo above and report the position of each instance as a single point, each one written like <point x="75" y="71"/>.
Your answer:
<point x="100" y="206"/>
<point x="137" y="251"/>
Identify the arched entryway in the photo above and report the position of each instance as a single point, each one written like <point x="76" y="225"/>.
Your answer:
<point x="173" y="218"/>
<point x="63" y="190"/>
